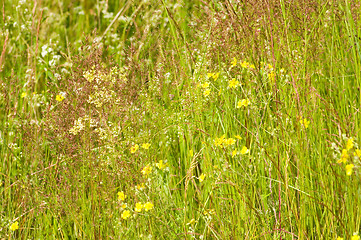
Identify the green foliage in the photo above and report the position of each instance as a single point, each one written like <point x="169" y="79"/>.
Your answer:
<point x="180" y="120"/>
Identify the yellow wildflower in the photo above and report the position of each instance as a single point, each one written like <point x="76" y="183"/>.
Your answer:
<point x="234" y="62"/>
<point x="205" y="85"/>
<point x="59" y="98"/>
<point x="349" y="168"/>
<point x="252" y="66"/>
<point x="146" y="145"/>
<point x="202" y="177"/>
<point x="123" y="205"/>
<point x="161" y="165"/>
<point x="304" y="122"/>
<point x="121" y="196"/>
<point x="349" y="144"/>
<point x="138" y="207"/>
<point x="243" y="103"/>
<point x="125" y="214"/>
<point x="339" y="238"/>
<point x="215" y="76"/>
<point x="238" y="137"/>
<point x="14" y="226"/>
<point x="244" y="64"/>
<point x="230" y="141"/>
<point x="140" y="186"/>
<point x="219" y="141"/>
<point x="344" y="156"/>
<point x="207" y="92"/>
<point x="234" y="152"/>
<point x="220" y="92"/>
<point x="355" y="237"/>
<point x="147" y="170"/>
<point x="233" y="83"/>
<point x="134" y="148"/>
<point x="244" y="150"/>
<point x="148" y="206"/>
<point x="209" y="75"/>
<point x="24" y="94"/>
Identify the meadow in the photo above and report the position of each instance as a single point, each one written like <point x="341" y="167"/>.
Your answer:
<point x="166" y="119"/>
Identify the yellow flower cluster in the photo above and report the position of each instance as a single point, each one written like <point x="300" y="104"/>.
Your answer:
<point x="224" y="142"/>
<point x="14" y="226"/>
<point x="233" y="83"/>
<point x="345" y="156"/>
<point x="243" y="103"/>
<point x="147" y="170"/>
<point x="138" y="206"/>
<point x="59" y="97"/>
<point x="243" y="64"/>
<point x="135" y="147"/>
<point x="215" y="76"/>
<point x="304" y="122"/>
<point x="146" y="206"/>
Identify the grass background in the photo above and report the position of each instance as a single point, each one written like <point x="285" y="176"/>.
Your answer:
<point x="57" y="185"/>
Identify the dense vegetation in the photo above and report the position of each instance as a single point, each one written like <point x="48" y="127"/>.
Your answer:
<point x="180" y="119"/>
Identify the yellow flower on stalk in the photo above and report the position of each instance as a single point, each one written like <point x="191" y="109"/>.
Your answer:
<point x="202" y="177"/>
<point x="147" y="170"/>
<point x="304" y="122"/>
<point x="215" y="76"/>
<point x="121" y="196"/>
<point x="134" y="148"/>
<point x="209" y="75"/>
<point x="233" y="83"/>
<point x="219" y="141"/>
<point x="238" y="137"/>
<point x="234" y="62"/>
<point x="349" y="144"/>
<point x="244" y="64"/>
<point x="230" y="141"/>
<point x="207" y="92"/>
<point x="205" y="85"/>
<point x="339" y="238"/>
<point x="14" y="226"/>
<point x="148" y="206"/>
<point x="344" y="156"/>
<point x="243" y="103"/>
<point x="349" y="168"/>
<point x="59" y="98"/>
<point x="161" y="165"/>
<point x="244" y="150"/>
<point x="234" y="152"/>
<point x="146" y="145"/>
<point x="355" y="237"/>
<point x="24" y="94"/>
<point x="138" y="207"/>
<point x="126" y="214"/>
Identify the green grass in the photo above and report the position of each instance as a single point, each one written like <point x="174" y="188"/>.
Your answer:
<point x="135" y="72"/>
